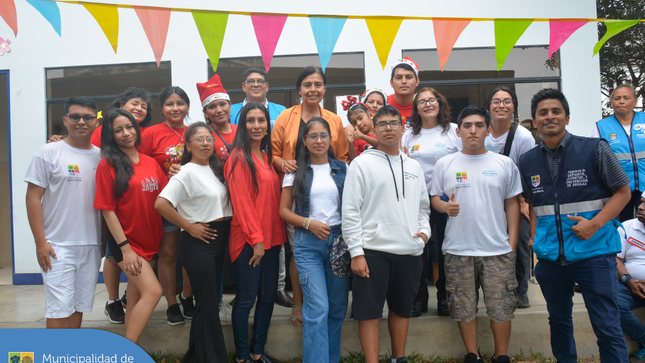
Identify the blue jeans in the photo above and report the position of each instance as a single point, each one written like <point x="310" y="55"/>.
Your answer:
<point x="325" y="297"/>
<point x="632" y="326"/>
<point x="597" y="278"/>
<point x="259" y="282"/>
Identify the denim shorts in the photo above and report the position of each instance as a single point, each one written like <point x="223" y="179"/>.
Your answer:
<point x="168" y="226"/>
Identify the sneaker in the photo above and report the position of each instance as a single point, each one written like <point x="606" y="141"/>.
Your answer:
<point x="264" y="359"/>
<point x="225" y="312"/>
<point x="124" y="301"/>
<point x="523" y="301"/>
<point x="639" y="357"/>
<point x="173" y="315"/>
<point x="472" y="358"/>
<point x="114" y="312"/>
<point x="187" y="306"/>
<point x="398" y="360"/>
<point x="500" y="359"/>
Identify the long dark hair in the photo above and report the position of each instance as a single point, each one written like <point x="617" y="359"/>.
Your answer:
<point x="443" y="118"/>
<point x="303" y="158"/>
<point x="214" y="162"/>
<point x="123" y="169"/>
<point x="134" y="92"/>
<point x="242" y="142"/>
<point x="507" y="90"/>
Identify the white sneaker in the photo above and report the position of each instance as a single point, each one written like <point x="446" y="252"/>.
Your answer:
<point x="225" y="312"/>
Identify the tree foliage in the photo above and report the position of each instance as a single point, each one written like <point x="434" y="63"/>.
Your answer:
<point x="622" y="58"/>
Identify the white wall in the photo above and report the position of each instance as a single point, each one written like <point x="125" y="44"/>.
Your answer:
<point x="82" y="43"/>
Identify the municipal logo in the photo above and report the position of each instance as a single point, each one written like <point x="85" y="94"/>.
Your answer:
<point x="21" y="357"/>
<point x="414" y="149"/>
<point x="535" y="180"/>
<point x="73" y="170"/>
<point x="612" y="137"/>
<point x="461" y="177"/>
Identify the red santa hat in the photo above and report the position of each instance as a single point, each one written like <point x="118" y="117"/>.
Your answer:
<point x="409" y="62"/>
<point x="211" y="91"/>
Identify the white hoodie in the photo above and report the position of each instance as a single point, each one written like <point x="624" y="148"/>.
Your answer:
<point x="385" y="202"/>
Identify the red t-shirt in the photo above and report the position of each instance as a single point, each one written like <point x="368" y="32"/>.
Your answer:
<point x="255" y="217"/>
<point x="220" y="147"/>
<point x="362" y="145"/>
<point x="136" y="208"/>
<point x="164" y="143"/>
<point x="406" y="111"/>
<point x="96" y="135"/>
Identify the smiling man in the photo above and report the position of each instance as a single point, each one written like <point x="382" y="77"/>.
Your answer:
<point x="404" y="80"/>
<point x="256" y="88"/>
<point x="483" y="187"/>
<point x="575" y="187"/>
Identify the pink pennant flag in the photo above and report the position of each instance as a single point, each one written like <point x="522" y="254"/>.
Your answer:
<point x="561" y="30"/>
<point x="267" y="30"/>
<point x="155" y="23"/>
<point x="8" y="13"/>
<point x="446" y="33"/>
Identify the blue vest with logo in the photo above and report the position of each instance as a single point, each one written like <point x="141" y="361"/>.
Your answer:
<point x="629" y="149"/>
<point x="579" y="191"/>
<point x="338" y="172"/>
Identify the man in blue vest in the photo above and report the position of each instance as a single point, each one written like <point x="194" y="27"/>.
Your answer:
<point x="575" y="187"/>
<point x="625" y="132"/>
<point x="256" y="88"/>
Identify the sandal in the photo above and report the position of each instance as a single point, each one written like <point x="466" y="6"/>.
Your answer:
<point x="296" y="316"/>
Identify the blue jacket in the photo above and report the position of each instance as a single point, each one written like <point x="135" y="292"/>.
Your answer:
<point x="338" y="172"/>
<point x="579" y="191"/>
<point x="630" y="150"/>
<point x="274" y="111"/>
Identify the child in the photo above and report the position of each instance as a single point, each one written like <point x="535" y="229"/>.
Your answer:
<point x="361" y="137"/>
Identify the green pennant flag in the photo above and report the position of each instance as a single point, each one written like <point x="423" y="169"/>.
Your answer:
<point x="507" y="33"/>
<point x="613" y="28"/>
<point x="211" y="26"/>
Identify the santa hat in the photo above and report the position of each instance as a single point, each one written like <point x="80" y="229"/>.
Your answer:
<point x="372" y="90"/>
<point x="211" y="91"/>
<point x="409" y="62"/>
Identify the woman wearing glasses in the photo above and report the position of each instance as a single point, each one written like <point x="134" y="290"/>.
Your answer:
<point x="431" y="137"/>
<point x="317" y="188"/>
<point x="203" y="212"/>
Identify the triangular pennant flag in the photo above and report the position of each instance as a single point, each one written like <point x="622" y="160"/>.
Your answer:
<point x="155" y="23"/>
<point x="613" y="28"/>
<point x="507" y="33"/>
<point x="8" y="13"/>
<point x="107" y="16"/>
<point x="211" y="26"/>
<point x="446" y="33"/>
<point x="383" y="31"/>
<point x="48" y="9"/>
<point x="267" y="30"/>
<point x="326" y="33"/>
<point x="560" y="31"/>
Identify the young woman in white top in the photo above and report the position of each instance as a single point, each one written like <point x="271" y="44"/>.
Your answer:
<point x="431" y="137"/>
<point x="203" y="212"/>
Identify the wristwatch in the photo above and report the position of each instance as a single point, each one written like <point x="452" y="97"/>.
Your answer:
<point x="625" y="278"/>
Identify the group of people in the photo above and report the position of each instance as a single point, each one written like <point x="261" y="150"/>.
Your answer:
<point x="256" y="175"/>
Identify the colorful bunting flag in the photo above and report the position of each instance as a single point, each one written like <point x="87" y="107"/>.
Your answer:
<point x="383" y="30"/>
<point x="268" y="29"/>
<point x="560" y="31"/>
<point x="211" y="26"/>
<point x="107" y="16"/>
<point x="446" y="33"/>
<point x="613" y="28"/>
<point x="48" y="9"/>
<point x="155" y="23"/>
<point x="507" y="33"/>
<point x="326" y="33"/>
<point x="8" y="13"/>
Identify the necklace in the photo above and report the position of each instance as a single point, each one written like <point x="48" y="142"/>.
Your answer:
<point x="173" y="130"/>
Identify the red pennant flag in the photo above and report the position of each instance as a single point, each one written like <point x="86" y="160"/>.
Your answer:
<point x="155" y="23"/>
<point x="446" y="33"/>
<point x="8" y="13"/>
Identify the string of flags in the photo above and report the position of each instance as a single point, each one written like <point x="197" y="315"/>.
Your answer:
<point x="326" y="29"/>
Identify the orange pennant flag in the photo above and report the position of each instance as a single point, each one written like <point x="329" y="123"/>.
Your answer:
<point x="8" y="13"/>
<point x="155" y="23"/>
<point x="383" y="31"/>
<point x="446" y="33"/>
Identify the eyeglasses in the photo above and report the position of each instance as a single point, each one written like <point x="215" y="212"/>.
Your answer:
<point x="393" y="125"/>
<point x="313" y="137"/>
<point x="429" y="101"/>
<point x="76" y="117"/>
<point x="251" y="82"/>
<point x="506" y="102"/>
<point x="200" y="140"/>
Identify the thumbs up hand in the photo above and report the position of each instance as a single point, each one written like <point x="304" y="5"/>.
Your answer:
<point x="453" y="206"/>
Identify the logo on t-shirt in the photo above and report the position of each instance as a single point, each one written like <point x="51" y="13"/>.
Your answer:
<point x="612" y="137"/>
<point x="73" y="170"/>
<point x="149" y="184"/>
<point x="174" y="152"/>
<point x="461" y="176"/>
<point x="414" y="149"/>
<point x="489" y="173"/>
<point x="535" y="180"/>
<point x="577" y="178"/>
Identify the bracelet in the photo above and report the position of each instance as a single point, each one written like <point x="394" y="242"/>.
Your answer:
<point x="304" y="223"/>
<point x="308" y="223"/>
<point x="126" y="242"/>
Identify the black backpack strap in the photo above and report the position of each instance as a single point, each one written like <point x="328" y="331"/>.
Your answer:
<point x="509" y="139"/>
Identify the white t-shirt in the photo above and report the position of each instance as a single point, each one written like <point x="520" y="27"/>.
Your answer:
<point x="595" y="133"/>
<point x="633" y="249"/>
<point x="523" y="141"/>
<point x="481" y="184"/>
<point x="68" y="175"/>
<point x="429" y="146"/>
<point x="197" y="194"/>
<point x="324" y="201"/>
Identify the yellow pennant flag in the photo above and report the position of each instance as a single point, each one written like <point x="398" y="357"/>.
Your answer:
<point x="107" y="16"/>
<point x="383" y="31"/>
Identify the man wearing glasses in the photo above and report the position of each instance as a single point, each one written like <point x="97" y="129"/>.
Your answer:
<point x="256" y="88"/>
<point x="385" y="225"/>
<point x="66" y="228"/>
